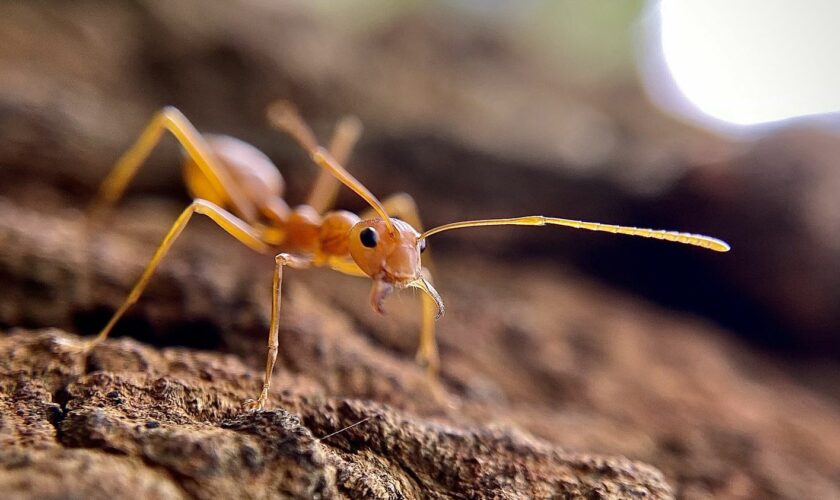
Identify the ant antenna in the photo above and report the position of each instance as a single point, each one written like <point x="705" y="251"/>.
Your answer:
<point x="539" y="220"/>
<point x="284" y="116"/>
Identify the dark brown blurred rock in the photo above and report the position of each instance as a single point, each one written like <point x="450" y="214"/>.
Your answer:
<point x="532" y="348"/>
<point x="778" y="205"/>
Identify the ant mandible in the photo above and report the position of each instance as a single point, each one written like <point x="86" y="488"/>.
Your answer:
<point x="241" y="190"/>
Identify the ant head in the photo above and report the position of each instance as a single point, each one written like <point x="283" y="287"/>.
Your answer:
<point x="391" y="257"/>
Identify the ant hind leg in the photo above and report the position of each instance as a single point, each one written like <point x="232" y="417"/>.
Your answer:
<point x="169" y="118"/>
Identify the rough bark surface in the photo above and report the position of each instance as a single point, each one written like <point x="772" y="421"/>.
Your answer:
<point x="132" y="421"/>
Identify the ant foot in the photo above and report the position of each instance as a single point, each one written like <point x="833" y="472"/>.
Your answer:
<point x="85" y="346"/>
<point x="258" y="404"/>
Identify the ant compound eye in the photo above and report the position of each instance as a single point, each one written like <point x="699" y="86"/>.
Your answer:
<point x="422" y="245"/>
<point x="369" y="237"/>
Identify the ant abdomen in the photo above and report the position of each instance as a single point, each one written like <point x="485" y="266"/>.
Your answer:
<point x="253" y="173"/>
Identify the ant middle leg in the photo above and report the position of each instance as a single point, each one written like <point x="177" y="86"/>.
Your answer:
<point x="285" y="117"/>
<point x="324" y="191"/>
<point x="234" y="226"/>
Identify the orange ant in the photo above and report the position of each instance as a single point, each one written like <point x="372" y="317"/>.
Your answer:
<point x="240" y="189"/>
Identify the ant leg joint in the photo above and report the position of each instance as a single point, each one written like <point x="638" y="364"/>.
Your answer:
<point x="285" y="259"/>
<point x="170" y="110"/>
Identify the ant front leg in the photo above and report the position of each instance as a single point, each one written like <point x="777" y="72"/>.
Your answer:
<point x="281" y="260"/>
<point x="403" y="206"/>
<point x="427" y="351"/>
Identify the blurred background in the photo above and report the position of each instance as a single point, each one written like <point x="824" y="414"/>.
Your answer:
<point x="699" y="118"/>
<point x="710" y="117"/>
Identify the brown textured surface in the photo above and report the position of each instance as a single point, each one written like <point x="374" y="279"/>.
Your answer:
<point x="147" y="423"/>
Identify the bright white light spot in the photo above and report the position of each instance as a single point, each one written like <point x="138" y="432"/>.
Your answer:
<point x="754" y="61"/>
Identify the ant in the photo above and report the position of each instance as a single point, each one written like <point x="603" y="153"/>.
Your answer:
<point x="241" y="190"/>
